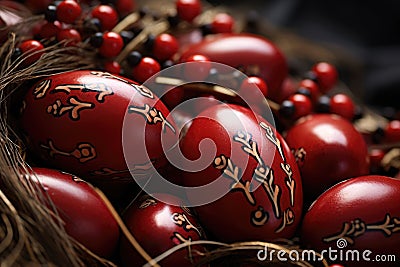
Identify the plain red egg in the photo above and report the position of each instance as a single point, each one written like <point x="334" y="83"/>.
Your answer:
<point x="84" y="214"/>
<point x="254" y="55"/>
<point x="330" y="150"/>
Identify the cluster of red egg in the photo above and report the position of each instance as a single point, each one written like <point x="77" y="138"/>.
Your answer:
<point x="74" y="123"/>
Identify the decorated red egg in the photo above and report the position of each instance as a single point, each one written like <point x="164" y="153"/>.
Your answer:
<point x="84" y="214"/>
<point x="248" y="186"/>
<point x="252" y="54"/>
<point x="158" y="227"/>
<point x="328" y="149"/>
<point x="75" y="121"/>
<point x="359" y="219"/>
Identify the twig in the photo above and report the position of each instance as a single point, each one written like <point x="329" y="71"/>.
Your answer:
<point x="126" y="231"/>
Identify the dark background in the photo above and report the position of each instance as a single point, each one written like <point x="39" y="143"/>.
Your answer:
<point x="368" y="32"/>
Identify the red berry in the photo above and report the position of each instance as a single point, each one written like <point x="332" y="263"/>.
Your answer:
<point x="251" y="86"/>
<point x="327" y="76"/>
<point x="125" y="7"/>
<point x="222" y="23"/>
<point x="145" y="69"/>
<point x="35" y="31"/>
<point x="68" y="11"/>
<point x="112" y="67"/>
<point x="33" y="50"/>
<point x="107" y="15"/>
<point x="312" y="87"/>
<point x="70" y="36"/>
<point x="188" y="9"/>
<point x="302" y="105"/>
<point x="392" y="132"/>
<point x="165" y="46"/>
<point x="112" y="44"/>
<point x="375" y="158"/>
<point x="287" y="89"/>
<point x="342" y="105"/>
<point x="50" y="29"/>
<point x="198" y="70"/>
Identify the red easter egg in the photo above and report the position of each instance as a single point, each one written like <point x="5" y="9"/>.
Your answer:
<point x="360" y="214"/>
<point x="158" y="227"/>
<point x="85" y="216"/>
<point x="253" y="166"/>
<point x="75" y="122"/>
<point x="252" y="54"/>
<point x="329" y="150"/>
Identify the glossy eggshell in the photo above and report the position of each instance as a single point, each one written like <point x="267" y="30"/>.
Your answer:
<point x="364" y="210"/>
<point x="74" y="121"/>
<point x="85" y="216"/>
<point x="247" y="52"/>
<point x="159" y="227"/>
<point x="333" y="150"/>
<point x="241" y="215"/>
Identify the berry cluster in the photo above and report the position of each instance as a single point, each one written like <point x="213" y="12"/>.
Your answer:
<point x="312" y="95"/>
<point x="127" y="41"/>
